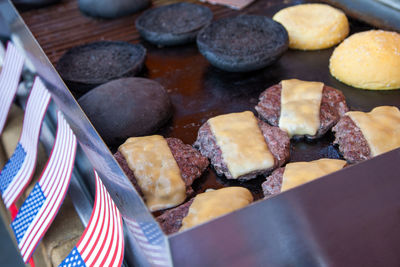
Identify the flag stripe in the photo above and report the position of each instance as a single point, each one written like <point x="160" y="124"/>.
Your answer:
<point x="105" y="251"/>
<point x="91" y="249"/>
<point x="35" y="110"/>
<point x="55" y="178"/>
<point x="111" y="256"/>
<point x="115" y="239"/>
<point x="102" y="243"/>
<point x="98" y="248"/>
<point x="51" y="169"/>
<point x="36" y="107"/>
<point x="9" y="79"/>
<point x="106" y="248"/>
<point x="47" y="182"/>
<point x="84" y="248"/>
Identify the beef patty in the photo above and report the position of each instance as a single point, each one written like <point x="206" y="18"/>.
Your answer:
<point x="171" y="220"/>
<point x="333" y="106"/>
<point x="277" y="140"/>
<point x="273" y="184"/>
<point x="351" y="141"/>
<point x="190" y="162"/>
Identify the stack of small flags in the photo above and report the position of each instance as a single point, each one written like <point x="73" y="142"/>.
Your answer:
<point x="102" y="243"/>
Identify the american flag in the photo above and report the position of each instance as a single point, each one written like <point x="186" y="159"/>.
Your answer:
<point x="40" y="208"/>
<point x="9" y="78"/>
<point x="102" y="242"/>
<point x="150" y="239"/>
<point x="18" y="171"/>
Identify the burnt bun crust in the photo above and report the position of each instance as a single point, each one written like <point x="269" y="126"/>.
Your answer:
<point x="127" y="107"/>
<point x="333" y="106"/>
<point x="173" y="24"/>
<point x="87" y="66"/>
<point x="243" y="43"/>
<point x="277" y="140"/>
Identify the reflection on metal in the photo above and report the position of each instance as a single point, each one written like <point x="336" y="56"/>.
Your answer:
<point x="379" y="13"/>
<point x="391" y="3"/>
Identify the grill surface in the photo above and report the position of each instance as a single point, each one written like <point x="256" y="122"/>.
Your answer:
<point x="198" y="90"/>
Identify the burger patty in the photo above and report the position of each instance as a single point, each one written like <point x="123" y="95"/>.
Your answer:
<point x="333" y="106"/>
<point x="277" y="140"/>
<point x="273" y="184"/>
<point x="351" y="141"/>
<point x="171" y="220"/>
<point x="190" y="162"/>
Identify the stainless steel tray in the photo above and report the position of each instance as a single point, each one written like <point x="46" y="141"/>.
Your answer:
<point x="348" y="218"/>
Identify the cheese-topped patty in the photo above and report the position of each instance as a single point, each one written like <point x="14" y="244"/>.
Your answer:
<point x="298" y="173"/>
<point x="243" y="146"/>
<point x="380" y="127"/>
<point x="215" y="203"/>
<point x="300" y="107"/>
<point x="155" y="170"/>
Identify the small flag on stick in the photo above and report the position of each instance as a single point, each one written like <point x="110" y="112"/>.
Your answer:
<point x="40" y="208"/>
<point x="102" y="243"/>
<point x="19" y="169"/>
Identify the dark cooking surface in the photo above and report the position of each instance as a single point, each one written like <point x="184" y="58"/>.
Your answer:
<point x="198" y="90"/>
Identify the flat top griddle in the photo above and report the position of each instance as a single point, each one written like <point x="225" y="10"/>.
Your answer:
<point x="197" y="89"/>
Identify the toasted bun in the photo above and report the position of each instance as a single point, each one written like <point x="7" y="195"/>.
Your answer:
<point x="313" y="26"/>
<point x="368" y="60"/>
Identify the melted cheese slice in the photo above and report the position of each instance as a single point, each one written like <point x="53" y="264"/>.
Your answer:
<point x="380" y="127"/>
<point x="243" y="146"/>
<point x="214" y="203"/>
<point x="300" y="107"/>
<point x="156" y="171"/>
<point x="298" y="173"/>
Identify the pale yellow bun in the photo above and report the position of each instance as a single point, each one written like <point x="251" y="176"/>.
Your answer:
<point x="313" y="26"/>
<point x="368" y="60"/>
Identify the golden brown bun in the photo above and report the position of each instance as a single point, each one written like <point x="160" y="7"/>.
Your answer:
<point x="368" y="60"/>
<point x="313" y="26"/>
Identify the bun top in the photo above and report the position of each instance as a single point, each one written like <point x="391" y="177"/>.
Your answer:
<point x="313" y="26"/>
<point x="368" y="60"/>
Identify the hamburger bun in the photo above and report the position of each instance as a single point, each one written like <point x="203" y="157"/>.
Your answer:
<point x="368" y="60"/>
<point x="313" y="26"/>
